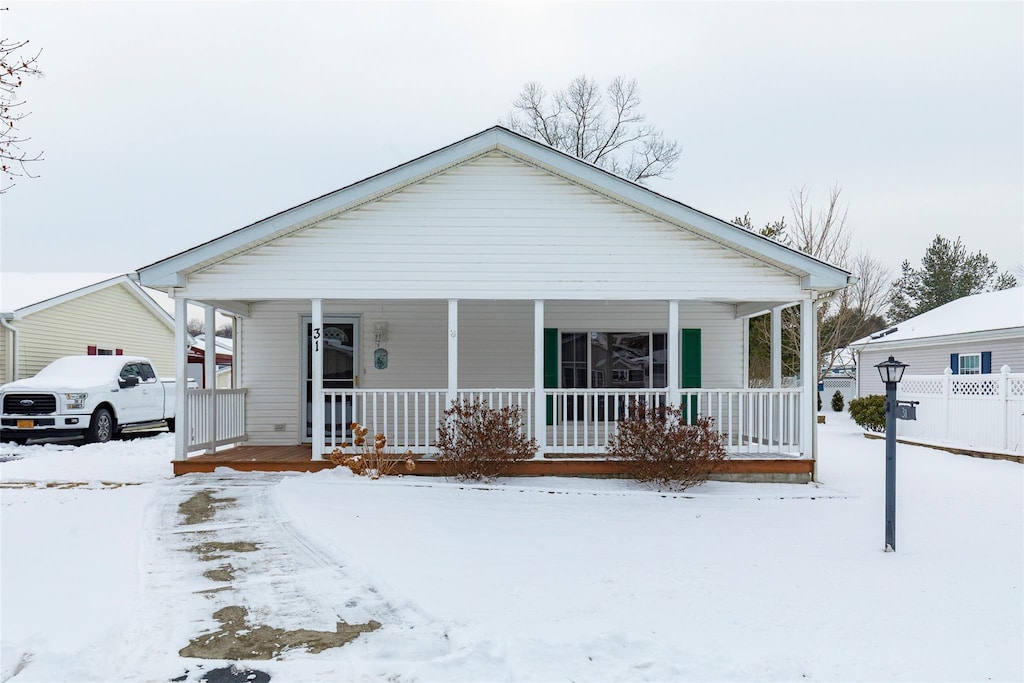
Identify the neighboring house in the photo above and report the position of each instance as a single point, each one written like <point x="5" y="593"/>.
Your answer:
<point x="197" y="359"/>
<point x="115" y="317"/>
<point x="973" y="335"/>
<point x="494" y="267"/>
<point x="965" y="372"/>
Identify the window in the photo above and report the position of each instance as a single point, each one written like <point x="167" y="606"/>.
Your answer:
<point x="146" y="372"/>
<point x="100" y="351"/>
<point x="130" y="370"/>
<point x="970" y="363"/>
<point x="614" y="360"/>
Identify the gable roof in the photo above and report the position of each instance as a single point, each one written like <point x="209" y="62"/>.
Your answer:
<point x="986" y="312"/>
<point x="125" y="281"/>
<point x="816" y="274"/>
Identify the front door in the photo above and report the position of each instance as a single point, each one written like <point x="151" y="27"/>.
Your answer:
<point x="340" y="339"/>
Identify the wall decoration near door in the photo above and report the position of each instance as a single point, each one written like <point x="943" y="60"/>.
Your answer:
<point x="380" y="359"/>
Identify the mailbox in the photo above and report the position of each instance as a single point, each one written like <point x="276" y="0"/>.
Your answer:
<point x="906" y="410"/>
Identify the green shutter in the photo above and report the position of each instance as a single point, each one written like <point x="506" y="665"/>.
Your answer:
<point x="689" y="366"/>
<point x="551" y="367"/>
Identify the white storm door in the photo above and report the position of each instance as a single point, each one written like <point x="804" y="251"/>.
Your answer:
<point x="340" y="338"/>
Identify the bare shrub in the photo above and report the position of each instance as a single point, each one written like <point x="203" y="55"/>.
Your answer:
<point x="475" y="441"/>
<point x="370" y="460"/>
<point x="660" y="448"/>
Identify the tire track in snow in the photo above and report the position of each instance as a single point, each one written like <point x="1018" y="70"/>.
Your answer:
<point x="288" y="582"/>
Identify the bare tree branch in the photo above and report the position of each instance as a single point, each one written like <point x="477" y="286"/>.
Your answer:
<point x="605" y="129"/>
<point x="13" y="70"/>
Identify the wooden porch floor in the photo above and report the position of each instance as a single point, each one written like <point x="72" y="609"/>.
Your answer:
<point x="300" y="459"/>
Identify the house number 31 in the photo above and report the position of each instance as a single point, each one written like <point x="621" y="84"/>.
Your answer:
<point x="316" y="338"/>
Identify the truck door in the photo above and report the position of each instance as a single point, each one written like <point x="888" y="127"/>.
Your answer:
<point x="152" y="392"/>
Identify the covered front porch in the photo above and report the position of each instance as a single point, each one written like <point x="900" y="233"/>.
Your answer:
<point x="395" y="366"/>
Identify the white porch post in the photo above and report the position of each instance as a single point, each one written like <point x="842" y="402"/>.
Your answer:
<point x="318" y="379"/>
<point x="809" y="377"/>
<point x="236" y="352"/>
<point x="776" y="347"/>
<point x="181" y="428"/>
<point x="453" y="350"/>
<point x="673" y="353"/>
<point x="540" y="409"/>
<point x="210" y="374"/>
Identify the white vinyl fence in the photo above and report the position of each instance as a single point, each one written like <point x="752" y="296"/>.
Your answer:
<point x="976" y="412"/>
<point x="846" y="386"/>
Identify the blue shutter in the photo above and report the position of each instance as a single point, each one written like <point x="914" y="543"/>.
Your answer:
<point x="954" y="363"/>
<point x="986" y="362"/>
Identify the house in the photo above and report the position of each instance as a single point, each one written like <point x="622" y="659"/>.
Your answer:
<point x="961" y="359"/>
<point x="115" y="316"/>
<point x="495" y="267"/>
<point x="973" y="335"/>
<point x="197" y="361"/>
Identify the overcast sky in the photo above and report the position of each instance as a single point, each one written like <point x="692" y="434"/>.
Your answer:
<point x="165" y="125"/>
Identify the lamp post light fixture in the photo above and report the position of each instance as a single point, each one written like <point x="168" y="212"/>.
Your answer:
<point x="891" y="372"/>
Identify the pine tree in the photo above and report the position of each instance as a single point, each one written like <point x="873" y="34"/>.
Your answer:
<point x="947" y="273"/>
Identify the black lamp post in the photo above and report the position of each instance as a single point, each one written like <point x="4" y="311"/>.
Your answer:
<point x="892" y="372"/>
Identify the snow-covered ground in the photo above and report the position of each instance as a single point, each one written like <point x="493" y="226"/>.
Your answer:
<point x="527" y="579"/>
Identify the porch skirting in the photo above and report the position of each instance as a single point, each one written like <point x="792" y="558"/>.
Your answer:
<point x="299" y="459"/>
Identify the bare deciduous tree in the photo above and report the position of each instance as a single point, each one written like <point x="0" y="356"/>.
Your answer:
<point x="13" y="70"/>
<point x="849" y="314"/>
<point x="606" y="129"/>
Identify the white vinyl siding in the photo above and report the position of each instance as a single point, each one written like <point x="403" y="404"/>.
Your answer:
<point x="933" y="360"/>
<point x="494" y="228"/>
<point x="110" y="318"/>
<point x="495" y="347"/>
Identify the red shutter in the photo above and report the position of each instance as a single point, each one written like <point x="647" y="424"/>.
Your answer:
<point x="118" y="352"/>
<point x="91" y="350"/>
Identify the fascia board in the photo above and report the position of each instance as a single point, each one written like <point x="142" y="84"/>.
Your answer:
<point x="68" y="296"/>
<point x="940" y="340"/>
<point x="171" y="271"/>
<point x="147" y="301"/>
<point x="817" y="274"/>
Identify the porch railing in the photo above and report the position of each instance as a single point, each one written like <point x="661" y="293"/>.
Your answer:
<point x="579" y="421"/>
<point x="408" y="417"/>
<point x="227" y="425"/>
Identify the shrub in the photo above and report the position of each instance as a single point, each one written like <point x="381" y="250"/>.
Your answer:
<point x="478" y="442"/>
<point x="366" y="460"/>
<point x="837" y="401"/>
<point x="869" y="412"/>
<point x="661" y="448"/>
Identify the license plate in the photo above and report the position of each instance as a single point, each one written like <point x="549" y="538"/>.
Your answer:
<point x="26" y="424"/>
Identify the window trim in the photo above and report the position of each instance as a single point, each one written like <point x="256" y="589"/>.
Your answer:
<point x="973" y="371"/>
<point x="590" y="361"/>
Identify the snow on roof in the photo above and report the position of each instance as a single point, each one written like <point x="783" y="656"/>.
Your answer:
<point x="978" y="313"/>
<point x="224" y="344"/>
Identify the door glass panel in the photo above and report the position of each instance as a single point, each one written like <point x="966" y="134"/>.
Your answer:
<point x="339" y="353"/>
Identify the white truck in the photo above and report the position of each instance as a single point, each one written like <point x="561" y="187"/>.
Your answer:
<point x="92" y="396"/>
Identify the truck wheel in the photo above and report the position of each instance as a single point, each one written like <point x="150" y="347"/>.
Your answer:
<point x="170" y="424"/>
<point x="101" y="428"/>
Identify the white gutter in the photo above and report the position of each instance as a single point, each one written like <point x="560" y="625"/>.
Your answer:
<point x="4" y="317"/>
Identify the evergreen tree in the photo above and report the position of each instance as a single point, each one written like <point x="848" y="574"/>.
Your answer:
<point x="947" y="273"/>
